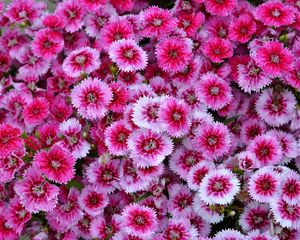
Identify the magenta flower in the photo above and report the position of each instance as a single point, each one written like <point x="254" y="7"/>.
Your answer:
<point x="10" y="140"/>
<point x="91" y="98"/>
<point x="128" y="55"/>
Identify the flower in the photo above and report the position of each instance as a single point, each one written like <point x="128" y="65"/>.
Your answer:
<point x="91" y="97"/>
<point x="213" y="139"/>
<point x="264" y="185"/>
<point x="213" y="91"/>
<point x="47" y="43"/>
<point x="290" y="188"/>
<point x="94" y="4"/>
<point x="36" y="111"/>
<point x="275" y="13"/>
<point x="217" y="49"/>
<point x="84" y="60"/>
<point x="174" y="53"/>
<point x="275" y="108"/>
<point x="128" y="55"/>
<point x="139" y="221"/>
<point x="157" y="22"/>
<point x="221" y="8"/>
<point x="57" y="164"/>
<point x="219" y="187"/>
<point x="92" y="200"/>
<point x="229" y="234"/>
<point x="10" y="140"/>
<point x="181" y="229"/>
<point x="242" y="29"/>
<point x="174" y="115"/>
<point x="148" y="148"/>
<point x="273" y="58"/>
<point x="36" y="194"/>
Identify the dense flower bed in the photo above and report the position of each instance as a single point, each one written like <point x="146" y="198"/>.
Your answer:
<point x="141" y="120"/>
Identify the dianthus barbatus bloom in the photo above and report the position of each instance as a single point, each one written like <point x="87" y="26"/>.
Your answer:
<point x="47" y="43"/>
<point x="221" y="8"/>
<point x="84" y="60"/>
<point x="72" y="13"/>
<point x="273" y="58"/>
<point x="276" y="108"/>
<point x="148" y="148"/>
<point x="92" y="200"/>
<point x="275" y="13"/>
<point x="180" y="228"/>
<point x="157" y="22"/>
<point x="36" y="194"/>
<point x="11" y="164"/>
<point x="264" y="185"/>
<point x="242" y="28"/>
<point x="217" y="49"/>
<point x="255" y="216"/>
<point x="104" y="175"/>
<point x="251" y="77"/>
<point x="91" y="97"/>
<point x="213" y="139"/>
<point x="229" y="234"/>
<point x="174" y="53"/>
<point x="10" y="140"/>
<point x="285" y="214"/>
<point x="128" y="55"/>
<point x="219" y="187"/>
<point x="246" y="160"/>
<point x="93" y="4"/>
<point x="145" y="113"/>
<point x="116" y="136"/>
<point x="174" y="115"/>
<point x="290" y="188"/>
<point x="267" y="150"/>
<point x="140" y="221"/>
<point x="213" y="91"/>
<point x="57" y="164"/>
<point x="36" y="111"/>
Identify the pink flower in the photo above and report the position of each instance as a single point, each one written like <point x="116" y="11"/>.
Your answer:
<point x="275" y="13"/>
<point x="47" y="43"/>
<point x="217" y="49"/>
<point x="174" y="53"/>
<point x="93" y="4"/>
<point x="104" y="175"/>
<point x="17" y="215"/>
<point x="116" y="30"/>
<point x="266" y="149"/>
<point x="174" y="115"/>
<point x="285" y="214"/>
<point x="83" y="60"/>
<point x="273" y="58"/>
<point x="246" y="160"/>
<point x="264" y="185"/>
<point x="128" y="55"/>
<point x="6" y="232"/>
<point x="22" y="10"/>
<point x="35" y="193"/>
<point x="213" y="91"/>
<point x="219" y="187"/>
<point x="120" y="97"/>
<point x="145" y="113"/>
<point x="116" y="136"/>
<point x="213" y="140"/>
<point x="72" y="13"/>
<point x="191" y="22"/>
<point x="148" y="148"/>
<point x="276" y="108"/>
<point x="242" y="29"/>
<point x="290" y="188"/>
<point x="100" y="228"/>
<point x="92" y="200"/>
<point x="229" y="234"/>
<point x="139" y="221"/>
<point x="57" y="164"/>
<point x="36" y="111"/>
<point x="221" y="8"/>
<point x="10" y="140"/>
<point x="181" y="229"/>
<point x="157" y="22"/>
<point x="255" y="216"/>
<point x="183" y="159"/>
<point x="91" y="98"/>
<point x="251" y="77"/>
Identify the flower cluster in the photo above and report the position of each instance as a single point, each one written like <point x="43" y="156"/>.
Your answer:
<point x="150" y="120"/>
